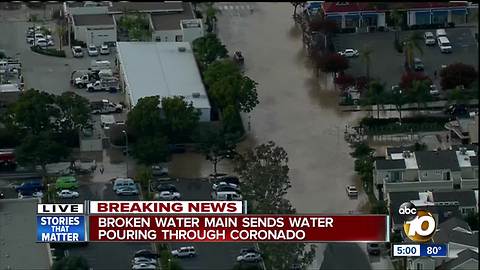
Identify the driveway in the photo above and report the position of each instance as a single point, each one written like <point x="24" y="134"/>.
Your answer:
<point x="297" y="110"/>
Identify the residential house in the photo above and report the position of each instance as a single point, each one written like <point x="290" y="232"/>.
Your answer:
<point x="462" y="244"/>
<point x="370" y="16"/>
<point x="426" y="171"/>
<point x="95" y="29"/>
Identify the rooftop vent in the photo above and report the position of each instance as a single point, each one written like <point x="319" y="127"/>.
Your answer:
<point x="406" y="154"/>
<point x="196" y="95"/>
<point x="463" y="150"/>
<point x="182" y="49"/>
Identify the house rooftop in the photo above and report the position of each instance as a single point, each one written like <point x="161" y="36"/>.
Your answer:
<point x="93" y="19"/>
<point x="399" y="150"/>
<point x="333" y="7"/>
<point x="17" y="238"/>
<point x="167" y="6"/>
<point x="390" y="164"/>
<point x="164" y="69"/>
<point x="463" y="197"/>
<point x="456" y="230"/>
<point x="171" y="20"/>
<point x="462" y="257"/>
<point x="437" y="160"/>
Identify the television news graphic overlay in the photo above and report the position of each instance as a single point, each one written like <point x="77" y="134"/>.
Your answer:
<point x="420" y="250"/>
<point x="167" y="207"/>
<point x="238" y="228"/>
<point x="61" y="223"/>
<point x="419" y="225"/>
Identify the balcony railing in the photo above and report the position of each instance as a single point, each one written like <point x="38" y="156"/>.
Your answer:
<point x="417" y="186"/>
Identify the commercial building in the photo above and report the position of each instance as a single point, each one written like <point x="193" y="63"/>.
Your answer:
<point x="95" y="29"/>
<point x="164" y="69"/>
<point x="370" y="16"/>
<point x="18" y="247"/>
<point x="426" y="171"/>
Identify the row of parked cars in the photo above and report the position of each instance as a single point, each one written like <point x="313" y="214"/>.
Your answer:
<point x="92" y="50"/>
<point x="37" y="36"/>
<point x="439" y="38"/>
<point x="225" y="187"/>
<point x="65" y="186"/>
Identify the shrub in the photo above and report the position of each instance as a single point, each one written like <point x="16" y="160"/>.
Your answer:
<point x="51" y="52"/>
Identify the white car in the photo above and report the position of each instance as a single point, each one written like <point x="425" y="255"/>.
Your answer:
<point x="77" y="51"/>
<point x="41" y="42"/>
<point x="37" y="194"/>
<point x="92" y="50"/>
<point x="429" y="38"/>
<point x="184" y="252"/>
<point x="67" y="194"/>
<point x="433" y="90"/>
<point x="249" y="257"/>
<point x="349" y="53"/>
<point x="167" y="195"/>
<point x="142" y="260"/>
<point x="352" y="191"/>
<point x="144" y="266"/>
<point x="104" y="50"/>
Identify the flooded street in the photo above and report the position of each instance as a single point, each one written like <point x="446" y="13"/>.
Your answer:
<point x="297" y="110"/>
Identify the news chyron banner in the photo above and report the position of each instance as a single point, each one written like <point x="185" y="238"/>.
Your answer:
<point x="198" y="221"/>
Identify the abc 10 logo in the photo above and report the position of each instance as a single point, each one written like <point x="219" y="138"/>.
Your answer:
<point x="418" y="225"/>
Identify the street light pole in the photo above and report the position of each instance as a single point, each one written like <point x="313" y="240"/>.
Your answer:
<point x="126" y="153"/>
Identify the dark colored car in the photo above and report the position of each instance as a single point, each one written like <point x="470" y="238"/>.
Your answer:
<point x="249" y="250"/>
<point x="231" y="180"/>
<point x="238" y="58"/>
<point x="373" y="249"/>
<point x="29" y="187"/>
<point x="145" y="253"/>
<point x="457" y="110"/>
<point x="223" y="188"/>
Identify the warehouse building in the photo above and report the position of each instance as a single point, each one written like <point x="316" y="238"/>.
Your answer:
<point x="95" y="29"/>
<point x="164" y="69"/>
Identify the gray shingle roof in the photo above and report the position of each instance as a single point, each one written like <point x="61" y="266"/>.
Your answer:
<point x="171" y="21"/>
<point x="437" y="160"/>
<point x="463" y="257"/>
<point x="474" y="161"/>
<point x="94" y="19"/>
<point x="145" y="6"/>
<point x="390" y="164"/>
<point x="447" y="233"/>
<point x="463" y="197"/>
<point x="397" y="150"/>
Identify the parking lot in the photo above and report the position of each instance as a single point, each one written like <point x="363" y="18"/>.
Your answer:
<point x="387" y="64"/>
<point x="213" y="255"/>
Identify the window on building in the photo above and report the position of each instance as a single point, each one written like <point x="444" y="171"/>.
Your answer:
<point x="178" y="38"/>
<point x="396" y="176"/>
<point x="446" y="176"/>
<point x="158" y="39"/>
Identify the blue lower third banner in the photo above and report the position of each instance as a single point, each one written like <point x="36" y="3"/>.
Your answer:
<point x="61" y="229"/>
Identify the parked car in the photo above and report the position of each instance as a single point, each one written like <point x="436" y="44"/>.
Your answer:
<point x="183" y="252"/>
<point x="440" y="33"/>
<point x="433" y="90"/>
<point x="132" y="190"/>
<point x="143" y="260"/>
<point x="77" y="51"/>
<point x="373" y="248"/>
<point x="249" y="257"/>
<point x="225" y="187"/>
<point x="110" y="85"/>
<point x="144" y="266"/>
<point x="167" y="187"/>
<point x="92" y="50"/>
<point x="41" y="42"/>
<point x="238" y="58"/>
<point x="226" y="196"/>
<point x="418" y="64"/>
<point x="429" y="38"/>
<point x="145" y="253"/>
<point x="349" y="53"/>
<point x="352" y="191"/>
<point x="122" y="182"/>
<point x="249" y="250"/>
<point x="29" y="187"/>
<point x="104" y="50"/>
<point x="105" y="106"/>
<point x="67" y="194"/>
<point x="444" y="45"/>
<point x="167" y="195"/>
<point x="160" y="169"/>
<point x="66" y="182"/>
<point x="227" y="180"/>
<point x="457" y="110"/>
<point x="216" y="176"/>
<point x="30" y="194"/>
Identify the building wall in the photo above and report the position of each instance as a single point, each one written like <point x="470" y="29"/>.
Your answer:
<point x="205" y="115"/>
<point x="96" y="35"/>
<point x="196" y="30"/>
<point x="167" y="35"/>
<point x="420" y="264"/>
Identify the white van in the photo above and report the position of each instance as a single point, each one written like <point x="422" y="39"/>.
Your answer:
<point x="444" y="44"/>
<point x="226" y="196"/>
<point x="440" y="33"/>
<point x="123" y="182"/>
<point x="100" y="64"/>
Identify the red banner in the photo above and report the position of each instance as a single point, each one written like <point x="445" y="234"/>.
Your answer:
<point x="239" y="228"/>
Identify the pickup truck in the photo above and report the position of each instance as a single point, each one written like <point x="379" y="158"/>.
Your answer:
<point x="111" y="86"/>
<point x="10" y="65"/>
<point x="105" y="106"/>
<point x="85" y="79"/>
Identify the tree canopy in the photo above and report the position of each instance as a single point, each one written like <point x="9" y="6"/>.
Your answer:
<point x="151" y="150"/>
<point x="180" y="119"/>
<point x="209" y="48"/>
<point x="216" y="144"/>
<point x="333" y="63"/>
<point x="145" y="118"/>
<point x="458" y="74"/>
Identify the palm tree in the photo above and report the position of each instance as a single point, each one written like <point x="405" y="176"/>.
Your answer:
<point x="421" y="92"/>
<point x="398" y="98"/>
<point x="365" y="55"/>
<point x="397" y="19"/>
<point x="210" y="16"/>
<point x="412" y="43"/>
<point x="376" y="95"/>
<point x="61" y="30"/>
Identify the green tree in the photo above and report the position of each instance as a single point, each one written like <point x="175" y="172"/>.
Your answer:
<point x="168" y="262"/>
<point x="74" y="111"/>
<point x="216" y="145"/>
<point x="40" y="149"/>
<point x="458" y="74"/>
<point x="144" y="175"/>
<point x="397" y="18"/>
<point x="180" y="119"/>
<point x="295" y="5"/>
<point x="285" y="255"/>
<point x="208" y="49"/>
<point x="145" y="118"/>
<point x="457" y="96"/>
<point x="420" y="92"/>
<point x="150" y="150"/>
<point x="365" y="55"/>
<point x="361" y="149"/>
<point x="61" y="30"/>
<point x="398" y="99"/>
<point x="264" y="175"/>
<point x="220" y="69"/>
<point x="71" y="263"/>
<point x="210" y="16"/>
<point x="376" y="95"/>
<point x="412" y="44"/>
